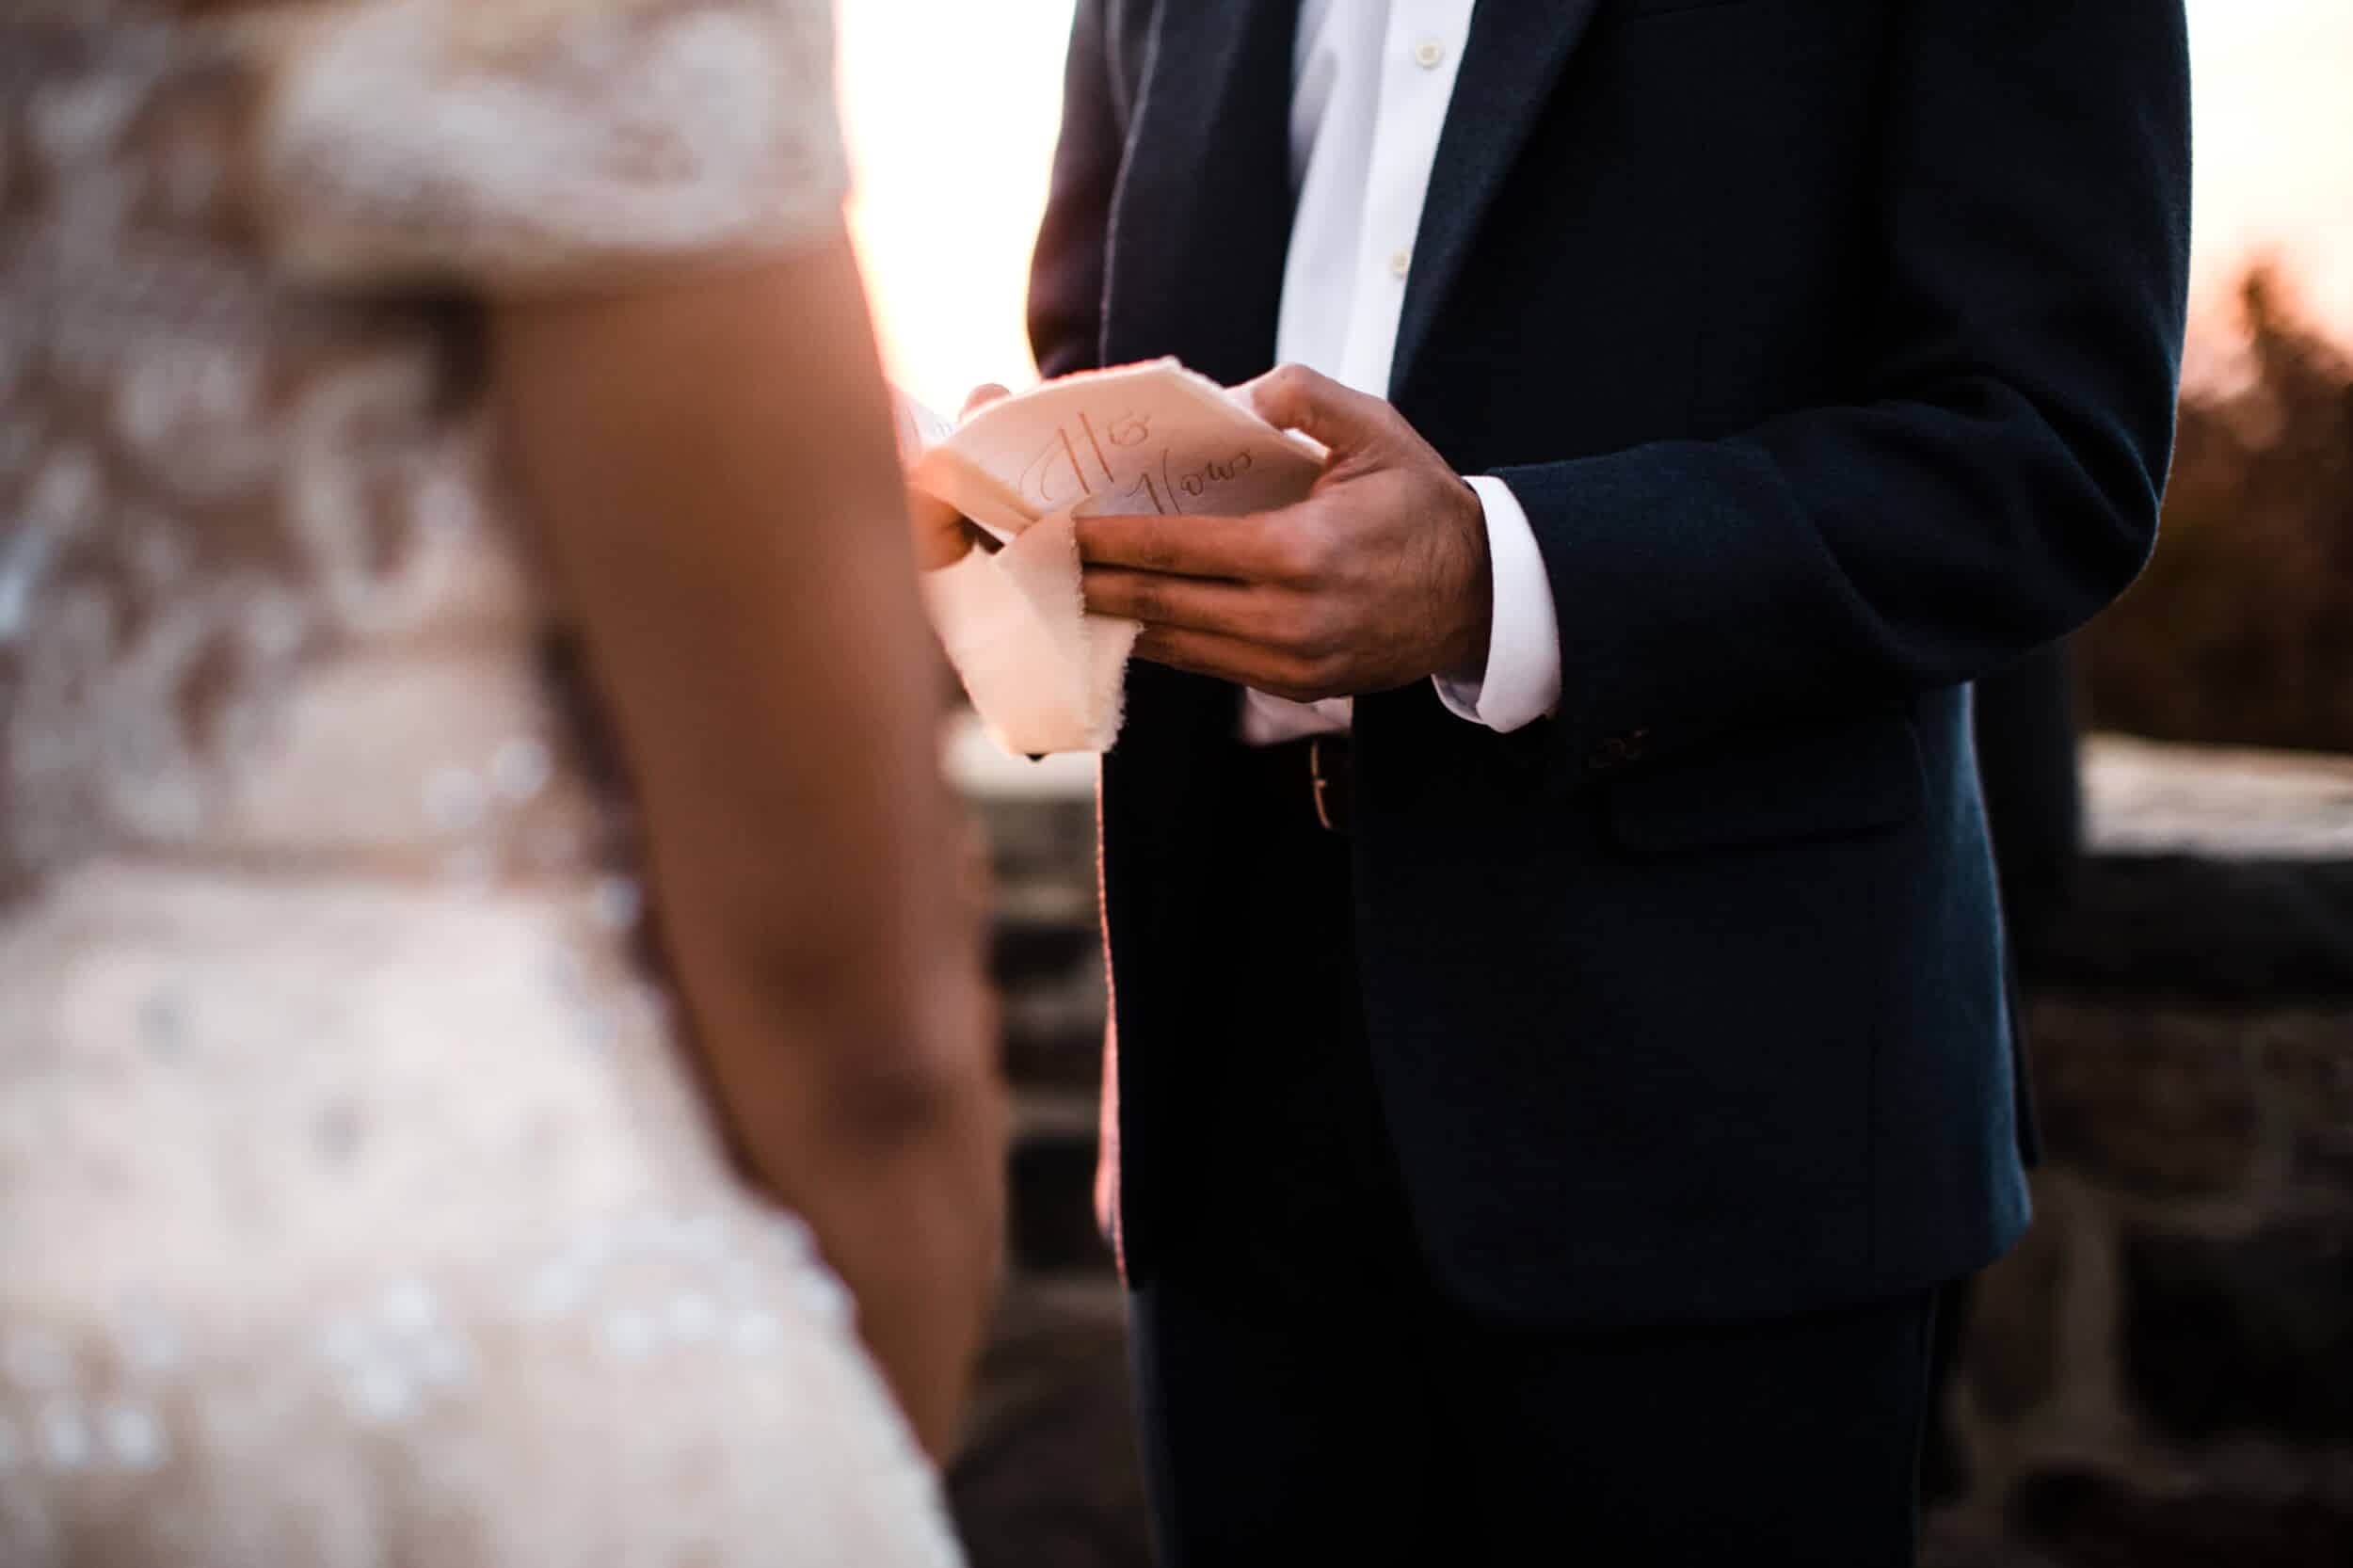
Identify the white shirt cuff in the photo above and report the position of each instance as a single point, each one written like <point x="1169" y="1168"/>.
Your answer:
<point x="1521" y="683"/>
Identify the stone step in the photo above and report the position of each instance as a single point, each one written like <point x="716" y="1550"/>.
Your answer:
<point x="1050" y="1180"/>
<point x="2210" y="932"/>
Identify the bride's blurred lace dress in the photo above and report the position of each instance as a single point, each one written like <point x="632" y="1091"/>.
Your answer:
<point x="357" y="1202"/>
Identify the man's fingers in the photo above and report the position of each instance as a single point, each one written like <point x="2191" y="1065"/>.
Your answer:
<point x="1223" y="658"/>
<point x="1292" y="397"/>
<point x="1193" y="603"/>
<point x="943" y="536"/>
<point x="1244" y="550"/>
<point x="983" y="395"/>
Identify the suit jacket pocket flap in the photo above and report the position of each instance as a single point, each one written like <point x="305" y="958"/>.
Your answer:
<point x="1849" y="779"/>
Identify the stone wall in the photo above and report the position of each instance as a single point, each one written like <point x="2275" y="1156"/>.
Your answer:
<point x="1049" y="1476"/>
<point x="2162" y="1374"/>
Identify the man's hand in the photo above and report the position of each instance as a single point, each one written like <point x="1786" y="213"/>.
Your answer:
<point x="944" y="535"/>
<point x="1379" y="579"/>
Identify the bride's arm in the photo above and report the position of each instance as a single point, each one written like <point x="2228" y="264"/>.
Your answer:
<point x="712" y="464"/>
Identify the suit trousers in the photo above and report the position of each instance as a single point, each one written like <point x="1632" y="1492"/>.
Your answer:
<point x="1310" y="1392"/>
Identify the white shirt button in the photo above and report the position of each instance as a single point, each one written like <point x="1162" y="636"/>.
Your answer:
<point x="1429" y="54"/>
<point x="1401" y="262"/>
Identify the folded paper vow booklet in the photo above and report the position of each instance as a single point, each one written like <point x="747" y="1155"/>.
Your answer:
<point x="1148" y="438"/>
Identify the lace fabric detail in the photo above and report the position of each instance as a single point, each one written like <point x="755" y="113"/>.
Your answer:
<point x="355" y="1224"/>
<point x="522" y="145"/>
<point x="357" y="1203"/>
<point x="221" y="490"/>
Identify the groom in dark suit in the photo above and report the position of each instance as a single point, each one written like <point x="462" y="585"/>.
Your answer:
<point x="1552" y="1087"/>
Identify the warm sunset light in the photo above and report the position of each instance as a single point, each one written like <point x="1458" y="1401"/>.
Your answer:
<point x="2275" y="145"/>
<point x="1721" y="934"/>
<point x="953" y="107"/>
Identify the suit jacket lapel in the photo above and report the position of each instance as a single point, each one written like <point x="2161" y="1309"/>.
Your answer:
<point x="1200" y="224"/>
<point x="1516" y="51"/>
<point x="1200" y="227"/>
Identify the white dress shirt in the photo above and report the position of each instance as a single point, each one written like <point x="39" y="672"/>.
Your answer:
<point x="1371" y="82"/>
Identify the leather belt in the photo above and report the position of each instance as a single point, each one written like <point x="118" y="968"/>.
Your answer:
<point x="1304" y="784"/>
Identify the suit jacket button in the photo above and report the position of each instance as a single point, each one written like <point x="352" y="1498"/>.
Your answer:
<point x="1608" y="754"/>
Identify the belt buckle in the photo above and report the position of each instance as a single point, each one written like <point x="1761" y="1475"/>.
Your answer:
<point x="1323" y="785"/>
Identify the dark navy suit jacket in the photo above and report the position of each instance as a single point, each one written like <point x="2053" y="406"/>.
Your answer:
<point x="1832" y="348"/>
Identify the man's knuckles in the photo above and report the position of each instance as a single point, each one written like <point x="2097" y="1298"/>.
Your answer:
<point x="1156" y="549"/>
<point x="1306" y="551"/>
<point x="1303" y="677"/>
<point x="1309" y="628"/>
<point x="1141" y="599"/>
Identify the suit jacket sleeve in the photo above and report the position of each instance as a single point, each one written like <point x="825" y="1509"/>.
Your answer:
<point x="1066" y="273"/>
<point x="1999" y="480"/>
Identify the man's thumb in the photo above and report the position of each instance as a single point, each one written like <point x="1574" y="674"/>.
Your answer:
<point x="1292" y="397"/>
<point x="982" y="397"/>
